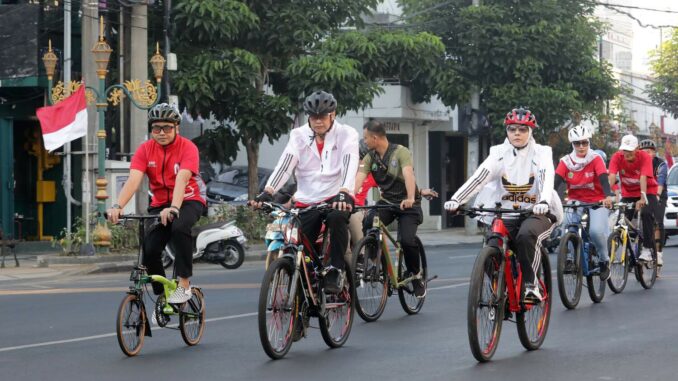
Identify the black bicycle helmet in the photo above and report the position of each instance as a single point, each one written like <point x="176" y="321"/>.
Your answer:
<point x="163" y="112"/>
<point x="647" y="143"/>
<point x="362" y="149"/>
<point x="320" y="103"/>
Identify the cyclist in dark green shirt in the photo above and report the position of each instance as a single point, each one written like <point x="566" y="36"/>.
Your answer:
<point x="391" y="167"/>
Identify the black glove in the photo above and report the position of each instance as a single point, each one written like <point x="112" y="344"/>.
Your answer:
<point x="264" y="197"/>
<point x="344" y="197"/>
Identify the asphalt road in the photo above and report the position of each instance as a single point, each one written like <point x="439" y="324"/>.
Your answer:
<point x="64" y="329"/>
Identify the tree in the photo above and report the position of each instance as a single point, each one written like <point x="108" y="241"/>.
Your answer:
<point x="251" y="62"/>
<point x="664" y="90"/>
<point x="534" y="53"/>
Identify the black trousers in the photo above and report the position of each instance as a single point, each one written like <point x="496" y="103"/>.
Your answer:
<point x="178" y="232"/>
<point x="527" y="237"/>
<point x="408" y="222"/>
<point x="647" y="216"/>
<point x="336" y="222"/>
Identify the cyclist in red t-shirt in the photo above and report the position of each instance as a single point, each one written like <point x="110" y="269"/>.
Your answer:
<point x="585" y="174"/>
<point x="171" y="163"/>
<point x="637" y="185"/>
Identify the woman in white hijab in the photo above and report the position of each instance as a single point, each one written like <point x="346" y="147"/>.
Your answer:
<point x="518" y="172"/>
<point x="584" y="172"/>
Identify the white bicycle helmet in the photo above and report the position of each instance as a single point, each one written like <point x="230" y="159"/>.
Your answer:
<point x="578" y="133"/>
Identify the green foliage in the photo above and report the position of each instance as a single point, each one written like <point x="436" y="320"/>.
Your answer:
<point x="664" y="90"/>
<point x="251" y="222"/>
<point x="218" y="145"/>
<point x="534" y="53"/>
<point x="123" y="238"/>
<point x="70" y="243"/>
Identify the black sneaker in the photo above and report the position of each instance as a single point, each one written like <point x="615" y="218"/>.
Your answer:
<point x="419" y="288"/>
<point x="334" y="281"/>
<point x="604" y="271"/>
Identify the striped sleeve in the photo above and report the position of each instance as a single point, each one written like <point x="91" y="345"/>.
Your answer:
<point x="546" y="175"/>
<point x="282" y="172"/>
<point x="350" y="161"/>
<point x="474" y="184"/>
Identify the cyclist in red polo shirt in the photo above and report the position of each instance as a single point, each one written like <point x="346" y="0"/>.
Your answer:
<point x="584" y="172"/>
<point x="171" y="163"/>
<point x="637" y="185"/>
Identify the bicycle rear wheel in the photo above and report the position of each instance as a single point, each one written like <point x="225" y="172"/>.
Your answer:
<point x="410" y="303"/>
<point x="192" y="318"/>
<point x="646" y="272"/>
<point x="594" y="284"/>
<point x="619" y="265"/>
<point x="569" y="270"/>
<point x="485" y="308"/>
<point x="335" y="325"/>
<point x="276" y="318"/>
<point x="130" y="326"/>
<point x="533" y="320"/>
<point x="371" y="281"/>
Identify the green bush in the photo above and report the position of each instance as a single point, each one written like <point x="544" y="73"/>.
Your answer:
<point x="123" y="237"/>
<point x="251" y="222"/>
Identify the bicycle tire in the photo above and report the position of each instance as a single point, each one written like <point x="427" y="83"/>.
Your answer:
<point x="410" y="303"/>
<point x="619" y="264"/>
<point x="368" y="303"/>
<point x="236" y="256"/>
<point x="130" y="327"/>
<point x="280" y="270"/>
<point x="594" y="284"/>
<point x="341" y="314"/>
<point x="646" y="272"/>
<point x="484" y="344"/>
<point x="533" y="320"/>
<point x="570" y="284"/>
<point x="192" y="318"/>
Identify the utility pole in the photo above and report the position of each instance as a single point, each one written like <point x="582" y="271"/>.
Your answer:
<point x="138" y="125"/>
<point x="166" y="24"/>
<point x="470" y="224"/>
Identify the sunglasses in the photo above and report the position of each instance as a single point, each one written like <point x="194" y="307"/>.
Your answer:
<point x="582" y="143"/>
<point x="521" y="129"/>
<point x="315" y="117"/>
<point x="166" y="129"/>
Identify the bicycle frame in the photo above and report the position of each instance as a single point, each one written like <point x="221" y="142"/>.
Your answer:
<point x="623" y="225"/>
<point x="582" y="231"/>
<point x="380" y="230"/>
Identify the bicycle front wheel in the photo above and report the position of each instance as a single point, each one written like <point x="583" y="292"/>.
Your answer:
<point x="619" y="265"/>
<point x="192" y="318"/>
<point x="594" y="284"/>
<point x="276" y="316"/>
<point x="410" y="303"/>
<point x="646" y="272"/>
<point x="533" y="320"/>
<point x="131" y="325"/>
<point x="335" y="325"/>
<point x="569" y="270"/>
<point x="371" y="281"/>
<point x="485" y="308"/>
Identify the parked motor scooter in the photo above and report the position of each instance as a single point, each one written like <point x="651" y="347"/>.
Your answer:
<point x="219" y="242"/>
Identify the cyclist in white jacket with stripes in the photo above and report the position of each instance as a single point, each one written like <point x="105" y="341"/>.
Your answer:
<point x="521" y="172"/>
<point x="323" y="154"/>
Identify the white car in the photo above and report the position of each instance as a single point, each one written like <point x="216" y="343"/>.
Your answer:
<point x="671" y="214"/>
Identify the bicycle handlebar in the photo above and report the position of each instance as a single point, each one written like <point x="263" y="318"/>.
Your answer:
<point x="577" y="204"/>
<point x="473" y="211"/>
<point x="135" y="216"/>
<point x="270" y="206"/>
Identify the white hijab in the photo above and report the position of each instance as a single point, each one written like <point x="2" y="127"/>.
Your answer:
<point x="518" y="161"/>
<point x="575" y="163"/>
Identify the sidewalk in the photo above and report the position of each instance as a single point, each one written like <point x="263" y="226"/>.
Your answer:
<point x="53" y="265"/>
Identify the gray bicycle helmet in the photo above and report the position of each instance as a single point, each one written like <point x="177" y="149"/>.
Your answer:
<point x="163" y="112"/>
<point x="647" y="143"/>
<point x="319" y="103"/>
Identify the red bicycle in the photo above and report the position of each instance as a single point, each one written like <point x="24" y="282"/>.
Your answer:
<point x="496" y="277"/>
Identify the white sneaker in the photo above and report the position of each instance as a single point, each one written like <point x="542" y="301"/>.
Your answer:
<point x="660" y="259"/>
<point x="180" y="295"/>
<point x="532" y="293"/>
<point x="645" y="255"/>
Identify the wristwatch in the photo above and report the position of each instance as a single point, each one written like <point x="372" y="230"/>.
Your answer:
<point x="116" y="206"/>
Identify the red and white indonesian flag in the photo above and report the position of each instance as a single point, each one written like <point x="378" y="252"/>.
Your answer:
<point x="65" y="121"/>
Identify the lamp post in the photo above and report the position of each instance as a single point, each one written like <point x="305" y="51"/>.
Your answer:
<point x="142" y="95"/>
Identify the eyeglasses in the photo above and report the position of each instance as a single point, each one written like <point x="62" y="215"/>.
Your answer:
<point x="581" y="143"/>
<point x="166" y="129"/>
<point x="514" y="129"/>
<point x="317" y="117"/>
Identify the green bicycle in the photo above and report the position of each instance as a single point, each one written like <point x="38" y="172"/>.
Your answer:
<point x="376" y="276"/>
<point x="132" y="324"/>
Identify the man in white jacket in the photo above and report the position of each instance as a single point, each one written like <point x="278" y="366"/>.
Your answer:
<point x="518" y="172"/>
<point x="324" y="156"/>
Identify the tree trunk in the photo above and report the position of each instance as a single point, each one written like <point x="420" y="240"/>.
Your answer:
<point x="252" y="167"/>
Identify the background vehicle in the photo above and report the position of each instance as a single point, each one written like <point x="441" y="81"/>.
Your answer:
<point x="231" y="184"/>
<point x="671" y="214"/>
<point x="219" y="242"/>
